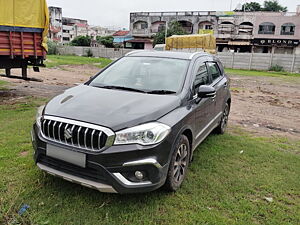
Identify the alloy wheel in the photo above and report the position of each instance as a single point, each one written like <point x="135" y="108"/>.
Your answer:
<point x="180" y="163"/>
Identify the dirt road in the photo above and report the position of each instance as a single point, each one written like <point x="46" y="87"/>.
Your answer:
<point x="262" y="105"/>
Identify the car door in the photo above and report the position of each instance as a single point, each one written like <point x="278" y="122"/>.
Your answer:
<point x="220" y="83"/>
<point x="202" y="107"/>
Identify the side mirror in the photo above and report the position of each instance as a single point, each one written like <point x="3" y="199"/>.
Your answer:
<point x="206" y="92"/>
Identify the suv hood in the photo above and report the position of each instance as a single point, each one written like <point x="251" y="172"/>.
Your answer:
<point x="115" y="109"/>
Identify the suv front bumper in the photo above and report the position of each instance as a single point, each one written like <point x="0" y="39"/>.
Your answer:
<point x="111" y="170"/>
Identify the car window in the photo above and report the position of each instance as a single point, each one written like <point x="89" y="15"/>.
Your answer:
<point x="144" y="73"/>
<point x="201" y="77"/>
<point x="214" y="70"/>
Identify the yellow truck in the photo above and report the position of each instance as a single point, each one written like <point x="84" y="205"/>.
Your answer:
<point x="189" y="43"/>
<point x="24" y="26"/>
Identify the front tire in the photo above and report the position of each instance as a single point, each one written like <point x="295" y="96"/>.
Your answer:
<point x="179" y="164"/>
<point x="221" y="128"/>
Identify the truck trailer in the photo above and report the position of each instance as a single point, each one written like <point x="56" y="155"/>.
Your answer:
<point x="24" y="27"/>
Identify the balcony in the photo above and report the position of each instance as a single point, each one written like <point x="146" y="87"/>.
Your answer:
<point x="140" y="32"/>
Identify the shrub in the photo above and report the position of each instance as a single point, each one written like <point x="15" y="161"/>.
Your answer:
<point x="276" y="68"/>
<point x="89" y="53"/>
<point x="52" y="47"/>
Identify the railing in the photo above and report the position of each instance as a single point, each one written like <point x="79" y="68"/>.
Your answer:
<point x="179" y="13"/>
<point x="140" y="31"/>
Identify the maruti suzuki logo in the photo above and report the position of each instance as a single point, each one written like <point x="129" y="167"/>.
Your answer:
<point x="68" y="133"/>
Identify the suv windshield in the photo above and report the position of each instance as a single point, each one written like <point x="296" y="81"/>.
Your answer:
<point x="147" y="74"/>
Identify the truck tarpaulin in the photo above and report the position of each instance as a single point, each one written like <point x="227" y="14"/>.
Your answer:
<point x="25" y="14"/>
<point x="207" y="42"/>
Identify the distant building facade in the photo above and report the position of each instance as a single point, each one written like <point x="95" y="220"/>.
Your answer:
<point x="64" y="29"/>
<point x="55" y="28"/>
<point x="262" y="32"/>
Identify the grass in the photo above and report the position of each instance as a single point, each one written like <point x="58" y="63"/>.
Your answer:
<point x="59" y="60"/>
<point x="228" y="181"/>
<point x="3" y="85"/>
<point x="261" y="73"/>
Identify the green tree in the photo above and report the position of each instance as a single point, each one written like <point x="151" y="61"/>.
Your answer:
<point x="251" y="7"/>
<point x="274" y="6"/>
<point x="81" y="41"/>
<point x="174" y="28"/>
<point x="107" y="41"/>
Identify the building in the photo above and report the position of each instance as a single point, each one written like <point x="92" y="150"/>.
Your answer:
<point x="73" y="27"/>
<point x="55" y="28"/>
<point x="264" y="32"/>
<point x="121" y="36"/>
<point x="95" y="31"/>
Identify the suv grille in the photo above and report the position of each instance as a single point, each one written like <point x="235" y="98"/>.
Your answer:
<point x="76" y="134"/>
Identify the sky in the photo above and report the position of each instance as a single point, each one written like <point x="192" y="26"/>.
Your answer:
<point x="115" y="13"/>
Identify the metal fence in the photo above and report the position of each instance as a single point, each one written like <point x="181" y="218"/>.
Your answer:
<point x="248" y="61"/>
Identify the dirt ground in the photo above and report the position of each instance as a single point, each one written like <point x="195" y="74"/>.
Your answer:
<point x="262" y="105"/>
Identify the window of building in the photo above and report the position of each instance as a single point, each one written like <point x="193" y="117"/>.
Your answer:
<point x="287" y="29"/>
<point x="208" y="27"/>
<point x="161" y="27"/>
<point x="140" y="25"/>
<point x="144" y="26"/>
<point x="266" y="28"/>
<point x="66" y="38"/>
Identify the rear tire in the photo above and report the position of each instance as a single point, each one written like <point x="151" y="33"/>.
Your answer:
<point x="179" y="164"/>
<point x="221" y="128"/>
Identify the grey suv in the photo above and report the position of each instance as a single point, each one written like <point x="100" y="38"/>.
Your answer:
<point x="134" y="126"/>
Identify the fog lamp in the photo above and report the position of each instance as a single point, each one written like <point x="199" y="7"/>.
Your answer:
<point x="139" y="175"/>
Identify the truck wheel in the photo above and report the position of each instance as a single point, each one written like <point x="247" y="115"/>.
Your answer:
<point x="221" y="128"/>
<point x="179" y="164"/>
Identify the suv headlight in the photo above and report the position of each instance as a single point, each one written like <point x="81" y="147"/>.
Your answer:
<point x="39" y="115"/>
<point x="145" y="134"/>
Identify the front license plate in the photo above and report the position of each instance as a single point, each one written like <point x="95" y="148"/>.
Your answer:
<point x="73" y="157"/>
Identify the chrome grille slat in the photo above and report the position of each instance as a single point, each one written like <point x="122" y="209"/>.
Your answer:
<point x="78" y="136"/>
<point x="92" y="139"/>
<point x="85" y="133"/>
<point x="49" y="128"/>
<point x="72" y="139"/>
<point x="44" y="121"/>
<point x="99" y="139"/>
<point x="59" y="131"/>
<point x="53" y="130"/>
<point x="87" y="137"/>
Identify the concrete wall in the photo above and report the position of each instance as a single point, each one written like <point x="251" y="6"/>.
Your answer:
<point x="254" y="61"/>
<point x="97" y="51"/>
<point x="260" y="61"/>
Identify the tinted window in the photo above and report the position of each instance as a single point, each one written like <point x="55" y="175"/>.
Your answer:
<point x="213" y="70"/>
<point x="201" y="76"/>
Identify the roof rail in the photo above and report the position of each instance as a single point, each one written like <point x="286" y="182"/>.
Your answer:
<point x="192" y="55"/>
<point x="132" y="52"/>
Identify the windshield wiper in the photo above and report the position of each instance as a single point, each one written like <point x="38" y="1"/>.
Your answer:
<point x="161" y="92"/>
<point x="119" y="88"/>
